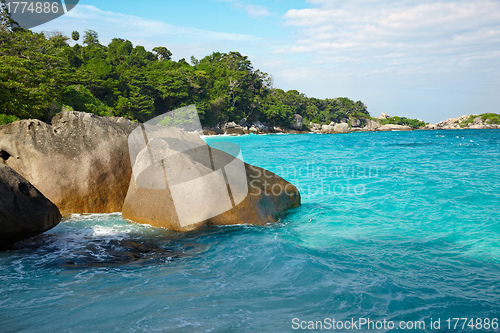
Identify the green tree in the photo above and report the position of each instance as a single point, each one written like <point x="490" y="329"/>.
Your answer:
<point x="41" y="75"/>
<point x="274" y="110"/>
<point x="57" y="38"/>
<point x="90" y="37"/>
<point x="234" y="88"/>
<point x="7" y="23"/>
<point x="75" y="35"/>
<point x="163" y="53"/>
<point x="31" y="74"/>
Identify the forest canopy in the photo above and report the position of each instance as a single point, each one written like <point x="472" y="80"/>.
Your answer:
<point x="41" y="75"/>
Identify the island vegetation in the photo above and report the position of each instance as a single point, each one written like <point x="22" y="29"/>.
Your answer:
<point x="42" y="75"/>
<point x="413" y="123"/>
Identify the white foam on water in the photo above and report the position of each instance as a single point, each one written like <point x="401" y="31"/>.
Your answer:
<point x="114" y="231"/>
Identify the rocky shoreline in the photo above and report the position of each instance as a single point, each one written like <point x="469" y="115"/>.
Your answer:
<point x="463" y="122"/>
<point x="344" y="126"/>
<point x="82" y="163"/>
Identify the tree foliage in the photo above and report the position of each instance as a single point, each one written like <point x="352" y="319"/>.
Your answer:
<point x="40" y="75"/>
<point x="75" y="35"/>
<point x="7" y="23"/>
<point x="414" y="123"/>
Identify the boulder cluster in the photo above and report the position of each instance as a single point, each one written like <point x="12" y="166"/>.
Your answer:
<point x="80" y="163"/>
<point x="356" y="125"/>
<point x="297" y="126"/>
<point x="346" y="126"/>
<point x="256" y="127"/>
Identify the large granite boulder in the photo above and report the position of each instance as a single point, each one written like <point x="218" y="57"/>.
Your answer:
<point x="80" y="162"/>
<point x="341" y="128"/>
<point x="355" y="122"/>
<point x="335" y="128"/>
<point x="244" y="123"/>
<point x="231" y="128"/>
<point x="383" y="116"/>
<point x="180" y="183"/>
<point x="261" y="127"/>
<point x="24" y="211"/>
<point x="371" y="125"/>
<point x="327" y="129"/>
<point x="297" y="122"/>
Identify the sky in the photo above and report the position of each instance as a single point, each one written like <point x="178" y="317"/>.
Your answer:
<point x="424" y="59"/>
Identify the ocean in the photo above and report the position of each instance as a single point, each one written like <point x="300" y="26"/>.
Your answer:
<point x="397" y="232"/>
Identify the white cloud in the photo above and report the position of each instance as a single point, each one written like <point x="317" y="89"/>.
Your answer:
<point x="409" y="35"/>
<point x="136" y="28"/>
<point x="256" y="11"/>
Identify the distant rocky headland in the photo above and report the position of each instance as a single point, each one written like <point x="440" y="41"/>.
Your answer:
<point x="347" y="125"/>
<point x="484" y="121"/>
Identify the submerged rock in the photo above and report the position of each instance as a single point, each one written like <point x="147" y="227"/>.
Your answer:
<point x="24" y="211"/>
<point x="80" y="162"/>
<point x="180" y="183"/>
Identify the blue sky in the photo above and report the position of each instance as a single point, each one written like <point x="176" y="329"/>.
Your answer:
<point x="423" y="59"/>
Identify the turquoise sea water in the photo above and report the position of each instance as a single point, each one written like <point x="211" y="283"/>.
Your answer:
<point x="395" y="226"/>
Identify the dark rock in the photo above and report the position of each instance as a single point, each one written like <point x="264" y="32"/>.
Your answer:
<point x="297" y="122"/>
<point x="209" y="132"/>
<point x="243" y="123"/>
<point x="24" y="211"/>
<point x="261" y="127"/>
<point x="80" y="162"/>
<point x="235" y="131"/>
<point x="212" y="130"/>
